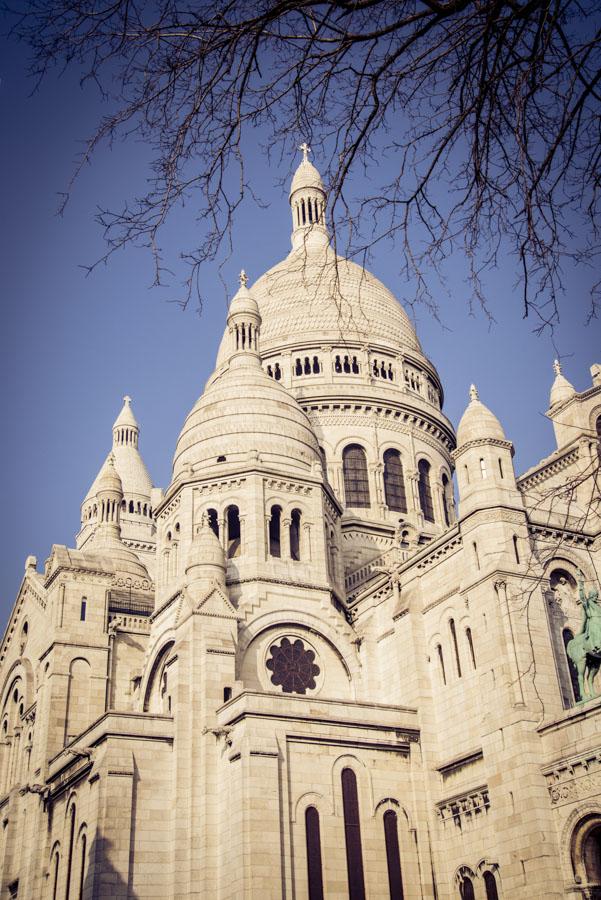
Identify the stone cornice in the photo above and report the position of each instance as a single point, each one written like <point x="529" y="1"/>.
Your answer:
<point x="394" y="415"/>
<point x="546" y="469"/>
<point x="482" y="442"/>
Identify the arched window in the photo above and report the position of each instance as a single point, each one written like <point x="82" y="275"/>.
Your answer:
<point x="56" y="866"/>
<point x="82" y="870"/>
<point x="393" y="855"/>
<point x="70" y="856"/>
<point x="352" y="835"/>
<point x="466" y="888"/>
<point x="213" y="521"/>
<point x="441" y="663"/>
<point x="82" y="609"/>
<point x="483" y="471"/>
<point x="516" y="551"/>
<point x="314" y="868"/>
<point x="424" y="490"/>
<point x="295" y="534"/>
<point x="490" y="885"/>
<point x="447" y="499"/>
<point x="567" y="636"/>
<point x="476" y="554"/>
<point x="455" y="645"/>
<point x="131" y="506"/>
<point x="356" y="480"/>
<point x="470" y="643"/>
<point x="501" y="468"/>
<point x="233" y="532"/>
<point x="275" y="543"/>
<point x="394" y="484"/>
<point x="591" y="857"/>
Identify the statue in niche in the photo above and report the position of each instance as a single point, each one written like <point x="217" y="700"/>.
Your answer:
<point x="585" y="648"/>
<point x="564" y="589"/>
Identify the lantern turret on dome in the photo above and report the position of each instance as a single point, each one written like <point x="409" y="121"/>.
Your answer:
<point x="126" y="430"/>
<point x="308" y="204"/>
<point x="244" y="326"/>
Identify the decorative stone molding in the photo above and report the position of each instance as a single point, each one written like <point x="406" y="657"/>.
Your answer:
<point x="574" y="779"/>
<point x="482" y="442"/>
<point x="289" y="487"/>
<point x="465" y="809"/>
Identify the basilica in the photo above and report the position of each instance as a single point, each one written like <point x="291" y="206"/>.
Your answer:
<point x="311" y="667"/>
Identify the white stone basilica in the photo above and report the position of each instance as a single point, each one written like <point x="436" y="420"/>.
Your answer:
<point x="300" y="671"/>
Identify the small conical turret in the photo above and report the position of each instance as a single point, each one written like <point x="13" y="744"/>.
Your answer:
<point x="308" y="203"/>
<point x="483" y="459"/>
<point x="206" y="563"/>
<point x="109" y="494"/>
<point x="561" y="388"/>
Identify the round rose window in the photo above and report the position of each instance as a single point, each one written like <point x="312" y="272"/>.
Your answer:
<point x="292" y="665"/>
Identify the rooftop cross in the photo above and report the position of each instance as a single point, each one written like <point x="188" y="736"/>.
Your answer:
<point x="306" y="150"/>
<point x="557" y="367"/>
<point x="127" y="399"/>
<point x="473" y="392"/>
<point x="243" y="278"/>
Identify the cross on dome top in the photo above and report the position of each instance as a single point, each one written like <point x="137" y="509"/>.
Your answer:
<point x="127" y="399"/>
<point x="305" y="150"/>
<point x="474" y="392"/>
<point x="557" y="367"/>
<point x="243" y="278"/>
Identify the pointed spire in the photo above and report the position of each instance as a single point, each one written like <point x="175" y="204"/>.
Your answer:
<point x="561" y="388"/>
<point x="308" y="203"/>
<point x="478" y="421"/>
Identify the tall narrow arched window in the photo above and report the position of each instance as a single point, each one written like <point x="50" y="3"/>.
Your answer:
<point x="439" y="653"/>
<point x="490" y="884"/>
<point x="470" y="643"/>
<point x="82" y="870"/>
<point x="516" y="551"/>
<point x="233" y="532"/>
<point x="56" y="864"/>
<point x="314" y="868"/>
<point x="356" y="480"/>
<point x="424" y="490"/>
<point x="447" y="499"/>
<point x="352" y="835"/>
<point x="567" y="636"/>
<point x="393" y="855"/>
<point x="82" y="609"/>
<point x="70" y="853"/>
<point x="455" y="645"/>
<point x="295" y="534"/>
<point x="466" y="889"/>
<point x="394" y="484"/>
<point x="275" y="524"/>
<point x="483" y="471"/>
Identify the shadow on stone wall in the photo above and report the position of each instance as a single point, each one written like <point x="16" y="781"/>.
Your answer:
<point x="102" y="881"/>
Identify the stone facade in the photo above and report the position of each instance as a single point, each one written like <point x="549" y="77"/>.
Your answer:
<point x="301" y="671"/>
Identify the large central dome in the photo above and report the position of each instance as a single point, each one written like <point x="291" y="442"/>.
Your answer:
<point x="314" y="291"/>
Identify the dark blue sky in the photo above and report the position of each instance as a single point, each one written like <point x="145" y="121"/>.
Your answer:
<point x="73" y="345"/>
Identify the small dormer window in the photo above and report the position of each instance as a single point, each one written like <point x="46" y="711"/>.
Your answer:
<point x="221" y="459"/>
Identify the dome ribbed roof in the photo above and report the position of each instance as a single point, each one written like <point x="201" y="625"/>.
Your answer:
<point x="478" y="422"/>
<point x="242" y="411"/>
<point x="314" y="294"/>
<point x="306" y="176"/>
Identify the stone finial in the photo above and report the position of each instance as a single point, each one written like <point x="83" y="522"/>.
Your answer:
<point x="243" y="278"/>
<point x="304" y="147"/>
<point x="557" y="367"/>
<point x="596" y="373"/>
<point x="127" y="399"/>
<point x="31" y="563"/>
<point x="474" y="392"/>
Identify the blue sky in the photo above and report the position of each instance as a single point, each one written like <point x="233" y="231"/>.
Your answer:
<point x="73" y="345"/>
